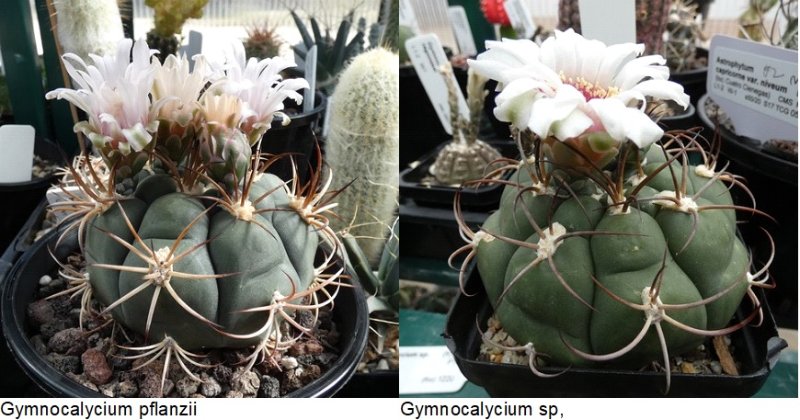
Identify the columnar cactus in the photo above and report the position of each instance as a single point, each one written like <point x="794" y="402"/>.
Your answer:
<point x="363" y="143"/>
<point x="615" y="247"/>
<point x="170" y="15"/>
<point x="88" y="26"/>
<point x="206" y="250"/>
<point x="466" y="157"/>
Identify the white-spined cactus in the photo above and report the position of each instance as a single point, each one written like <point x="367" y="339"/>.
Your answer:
<point x="363" y="144"/>
<point x="88" y="26"/>
<point x="205" y="250"/>
<point x="684" y="32"/>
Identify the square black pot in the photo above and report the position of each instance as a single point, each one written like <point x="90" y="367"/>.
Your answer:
<point x="756" y="348"/>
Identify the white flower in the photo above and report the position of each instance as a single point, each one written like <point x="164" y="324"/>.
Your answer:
<point x="114" y="92"/>
<point x="260" y="87"/>
<point x="179" y="88"/>
<point x="572" y="86"/>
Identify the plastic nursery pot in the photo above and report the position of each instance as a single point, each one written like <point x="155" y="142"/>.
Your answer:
<point x="757" y="350"/>
<point x="350" y="315"/>
<point x="693" y="81"/>
<point x="421" y="126"/>
<point x="432" y="232"/>
<point x="23" y="240"/>
<point x="20" y="198"/>
<point x="297" y="139"/>
<point x="682" y="120"/>
<point x="483" y="197"/>
<point x="378" y="384"/>
<point x="773" y="182"/>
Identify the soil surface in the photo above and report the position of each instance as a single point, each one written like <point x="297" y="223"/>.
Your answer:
<point x="91" y="357"/>
<point x="714" y="357"/>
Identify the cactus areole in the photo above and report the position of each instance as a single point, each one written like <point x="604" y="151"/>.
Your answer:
<point x="608" y="246"/>
<point x="189" y="243"/>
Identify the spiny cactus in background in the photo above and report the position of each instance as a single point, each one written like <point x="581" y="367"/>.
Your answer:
<point x="262" y="41"/>
<point x="682" y="36"/>
<point x="207" y="250"/>
<point x="88" y="26"/>
<point x="333" y="53"/>
<point x="651" y="21"/>
<point x="363" y="144"/>
<point x="754" y="26"/>
<point x="170" y="15"/>
<point x="465" y="157"/>
<point x="390" y="19"/>
<point x="608" y="244"/>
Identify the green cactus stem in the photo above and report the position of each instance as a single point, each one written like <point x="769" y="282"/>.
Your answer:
<point x="622" y="266"/>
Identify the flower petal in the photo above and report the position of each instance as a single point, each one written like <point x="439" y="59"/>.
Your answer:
<point x="622" y="123"/>
<point x="547" y="111"/>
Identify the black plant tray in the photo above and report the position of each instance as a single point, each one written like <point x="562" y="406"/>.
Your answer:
<point x="756" y="349"/>
<point x="432" y="232"/>
<point x="482" y="197"/>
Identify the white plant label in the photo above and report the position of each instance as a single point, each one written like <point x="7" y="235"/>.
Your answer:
<point x="462" y="30"/>
<point x="16" y="161"/>
<point x="311" y="77"/>
<point x="745" y="76"/>
<point x="429" y="370"/>
<point x="612" y="22"/>
<point x="427" y="56"/>
<point x="194" y="47"/>
<point x="521" y="18"/>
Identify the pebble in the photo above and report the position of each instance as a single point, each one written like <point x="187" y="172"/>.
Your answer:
<point x="270" y="387"/>
<point x="45" y="280"/>
<point x="222" y="373"/>
<point x="66" y="364"/>
<point x="38" y="344"/>
<point x="716" y="367"/>
<point x="70" y="341"/>
<point x="95" y="366"/>
<point x="41" y="312"/>
<point x="289" y="363"/>
<point x="127" y="389"/>
<point x="108" y="389"/>
<point x="186" y="387"/>
<point x="210" y="387"/>
<point x="81" y="379"/>
<point x="245" y="381"/>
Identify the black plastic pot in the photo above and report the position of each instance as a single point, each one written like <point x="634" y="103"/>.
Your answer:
<point x="299" y="138"/>
<point x="379" y="384"/>
<point x="693" y="81"/>
<point x="773" y="182"/>
<point x="350" y="315"/>
<point x="483" y="197"/>
<point x="432" y="232"/>
<point x="756" y="349"/>
<point x="421" y="128"/>
<point x="19" y="199"/>
<point x="684" y="120"/>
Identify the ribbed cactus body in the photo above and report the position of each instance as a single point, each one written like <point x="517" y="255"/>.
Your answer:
<point x="683" y="34"/>
<point x="363" y="145"/>
<point x="272" y="253"/>
<point x="534" y="306"/>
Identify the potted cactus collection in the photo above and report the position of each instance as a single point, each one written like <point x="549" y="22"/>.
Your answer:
<point x="180" y="258"/>
<point x="170" y="15"/>
<point x="609" y="251"/>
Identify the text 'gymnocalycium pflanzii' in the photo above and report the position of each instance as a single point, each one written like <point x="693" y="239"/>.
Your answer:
<point x="189" y="243"/>
<point x="608" y="245"/>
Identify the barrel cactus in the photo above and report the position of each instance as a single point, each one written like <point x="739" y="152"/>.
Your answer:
<point x="196" y="247"/>
<point x="684" y="33"/>
<point x="608" y="245"/>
